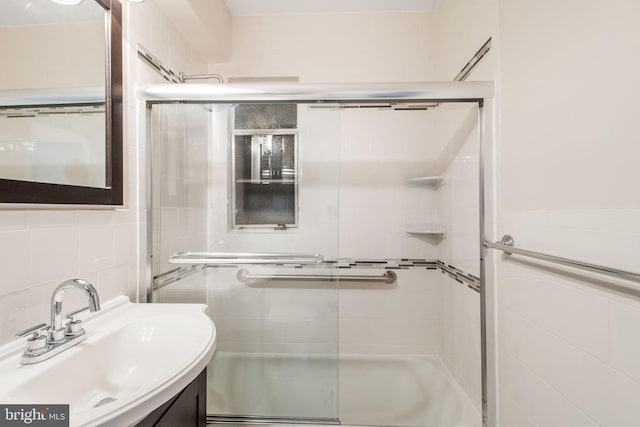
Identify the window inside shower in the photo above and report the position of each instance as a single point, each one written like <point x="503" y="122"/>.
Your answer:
<point x="264" y="166"/>
<point x="264" y="180"/>
<point x="343" y="271"/>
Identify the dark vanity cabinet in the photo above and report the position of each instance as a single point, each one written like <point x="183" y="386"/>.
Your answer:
<point x="186" y="409"/>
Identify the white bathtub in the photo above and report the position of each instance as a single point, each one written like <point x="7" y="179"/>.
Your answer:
<point x="372" y="390"/>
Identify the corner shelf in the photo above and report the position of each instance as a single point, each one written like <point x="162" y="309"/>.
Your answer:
<point x="429" y="229"/>
<point x="425" y="181"/>
<point x="426" y="229"/>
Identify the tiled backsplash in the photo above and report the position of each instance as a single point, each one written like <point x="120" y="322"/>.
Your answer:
<point x="40" y="249"/>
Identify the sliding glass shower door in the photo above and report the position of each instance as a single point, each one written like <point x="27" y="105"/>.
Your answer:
<point x="244" y="203"/>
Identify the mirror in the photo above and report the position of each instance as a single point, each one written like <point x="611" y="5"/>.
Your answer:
<point x="61" y="102"/>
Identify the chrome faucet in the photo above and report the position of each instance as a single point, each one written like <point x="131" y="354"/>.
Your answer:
<point x="58" y="338"/>
<point x="56" y="332"/>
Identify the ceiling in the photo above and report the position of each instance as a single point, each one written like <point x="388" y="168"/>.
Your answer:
<point x="307" y="7"/>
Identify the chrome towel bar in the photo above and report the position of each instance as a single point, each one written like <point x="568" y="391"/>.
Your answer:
<point x="245" y="277"/>
<point x="506" y="245"/>
<point x="225" y="258"/>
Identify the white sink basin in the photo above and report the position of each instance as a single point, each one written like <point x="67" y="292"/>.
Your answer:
<point x="135" y="358"/>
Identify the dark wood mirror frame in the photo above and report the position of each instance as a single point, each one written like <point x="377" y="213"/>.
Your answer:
<point x="14" y="191"/>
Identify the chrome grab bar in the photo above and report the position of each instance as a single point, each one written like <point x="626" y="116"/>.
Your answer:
<point x="507" y="242"/>
<point x="245" y="277"/>
<point x="225" y="258"/>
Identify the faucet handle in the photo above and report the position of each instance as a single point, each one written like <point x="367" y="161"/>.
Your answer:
<point x="74" y="327"/>
<point x="35" y="330"/>
<point x="36" y="344"/>
<point x="78" y="311"/>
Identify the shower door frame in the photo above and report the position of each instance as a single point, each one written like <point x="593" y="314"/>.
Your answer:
<point x="430" y="94"/>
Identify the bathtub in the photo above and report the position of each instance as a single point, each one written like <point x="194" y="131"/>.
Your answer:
<point x="371" y="390"/>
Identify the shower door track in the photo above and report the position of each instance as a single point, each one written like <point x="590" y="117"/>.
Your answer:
<point x="247" y="421"/>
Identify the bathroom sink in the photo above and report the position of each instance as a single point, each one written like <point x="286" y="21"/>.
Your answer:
<point x="135" y="358"/>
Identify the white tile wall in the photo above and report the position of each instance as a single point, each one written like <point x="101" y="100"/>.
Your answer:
<point x="258" y="319"/>
<point x="578" y="316"/>
<point x="378" y="151"/>
<point x="563" y="338"/>
<point x="602" y="393"/>
<point x="44" y="248"/>
<point x="460" y="337"/>
<point x="402" y="319"/>
<point x="623" y="336"/>
<point x="511" y="414"/>
<point x="180" y="192"/>
<point x="459" y="197"/>
<point x="541" y="401"/>
<point x="15" y="249"/>
<point x="574" y="337"/>
<point x="579" y="341"/>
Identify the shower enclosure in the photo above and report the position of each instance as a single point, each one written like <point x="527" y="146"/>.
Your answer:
<point x="333" y="232"/>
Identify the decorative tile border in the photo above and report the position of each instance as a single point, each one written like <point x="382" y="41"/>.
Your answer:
<point x="460" y="276"/>
<point x="175" y="275"/>
<point x="456" y="274"/>
<point x="387" y="264"/>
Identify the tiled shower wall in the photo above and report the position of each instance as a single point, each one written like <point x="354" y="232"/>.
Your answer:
<point x="378" y="151"/>
<point x="312" y="317"/>
<point x="180" y="135"/>
<point x="403" y="319"/>
<point x="362" y="215"/>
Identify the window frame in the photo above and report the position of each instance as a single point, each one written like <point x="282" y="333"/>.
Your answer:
<point x="232" y="176"/>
